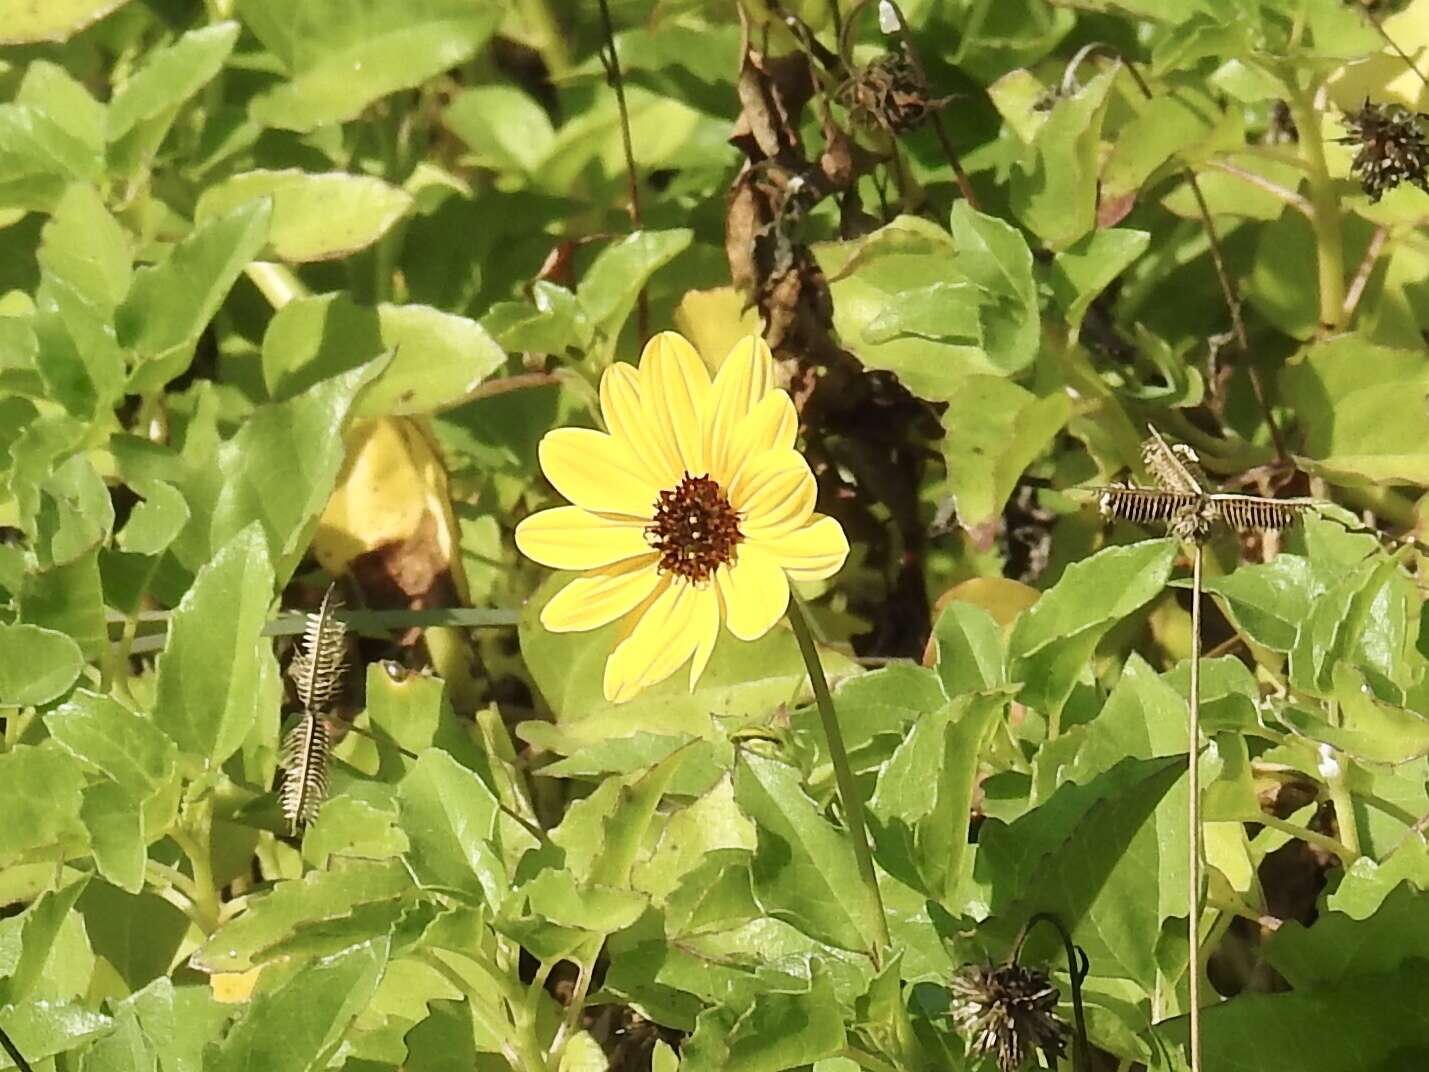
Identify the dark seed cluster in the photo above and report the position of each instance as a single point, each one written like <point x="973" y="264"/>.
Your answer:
<point x="1392" y="148"/>
<point x="1007" y="1012"/>
<point x="890" y="92"/>
<point x="695" y="529"/>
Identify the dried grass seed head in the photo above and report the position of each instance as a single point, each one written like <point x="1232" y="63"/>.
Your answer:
<point x="1007" y="1012"/>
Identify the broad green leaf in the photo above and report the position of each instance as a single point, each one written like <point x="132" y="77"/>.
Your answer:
<point x="169" y="76"/>
<point x="117" y="837"/>
<point x="341" y="55"/>
<point x="711" y="824"/>
<point x="449" y="817"/>
<point x="53" y="20"/>
<point x="1091" y="855"/>
<point x="76" y="513"/>
<point x="39" y="158"/>
<point x="1367" y="883"/>
<point x="316" y="217"/>
<point x="1360" y="408"/>
<point x="781" y="1030"/>
<point x="1366" y="728"/>
<point x="42" y="800"/>
<point x="609" y="288"/>
<point x="556" y="896"/>
<point x="1056" y="197"/>
<point x="967" y="647"/>
<point x="253" y="476"/>
<point x="206" y="700"/>
<point x="68" y="599"/>
<point x="156" y="520"/>
<point x="629" y="823"/>
<point x="42" y="1029"/>
<point x="1166" y="126"/>
<point x="1052" y="641"/>
<point x="1339" y="947"/>
<point x="436" y="358"/>
<point x="138" y="936"/>
<point x="128" y="748"/>
<point x="923" y="801"/>
<point x="296" y="1026"/>
<point x="1369" y="1022"/>
<point x="319" y="897"/>
<point x="1267" y="602"/>
<point x="993" y="430"/>
<point x="36" y="929"/>
<point x="804" y="868"/>
<point x="170" y="303"/>
<point x="1086" y="268"/>
<point x="937" y="311"/>
<point x="36" y="665"/>
<point x="502" y="126"/>
<point x="995" y="255"/>
<point x="51" y="89"/>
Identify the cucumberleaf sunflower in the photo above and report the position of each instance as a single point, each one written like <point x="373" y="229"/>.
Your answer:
<point x="692" y="510"/>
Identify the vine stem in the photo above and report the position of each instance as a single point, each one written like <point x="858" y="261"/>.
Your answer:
<point x="1193" y="813"/>
<point x="195" y="846"/>
<point x="1076" y="972"/>
<point x="1325" y="219"/>
<point x="843" y="772"/>
<point x="20" y="1062"/>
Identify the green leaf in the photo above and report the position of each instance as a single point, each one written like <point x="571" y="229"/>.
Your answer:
<point x="1052" y="641"/>
<point x="967" y="645"/>
<point x="156" y="520"/>
<point x="316" y="217"/>
<point x="296" y="1026"/>
<point x="39" y="159"/>
<point x="252" y="477"/>
<point x="51" y="89"/>
<point x="320" y="896"/>
<point x="1056" y="196"/>
<point x="36" y="928"/>
<point x="436" y="358"/>
<point x="42" y="801"/>
<point x="169" y="76"/>
<point x="1339" y="947"/>
<point x="341" y="55"/>
<point x="41" y="1029"/>
<point x="923" y="802"/>
<point x="117" y="838"/>
<point x="206" y="700"/>
<point x="170" y="303"/>
<point x="804" y="868"/>
<point x="993" y="430"/>
<point x="502" y="126"/>
<point x="54" y="20"/>
<point x="1267" y="602"/>
<point x="608" y="290"/>
<point x="1360" y="408"/>
<point x="781" y="1030"/>
<point x="449" y="817"/>
<point x="1086" y="268"/>
<point x="68" y="599"/>
<point x="1091" y="855"/>
<point x="128" y="748"/>
<point x="36" y="665"/>
<point x="1165" y="127"/>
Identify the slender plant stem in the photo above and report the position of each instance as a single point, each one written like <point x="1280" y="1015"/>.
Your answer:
<point x="1193" y="813"/>
<point x="20" y="1062"/>
<point x="843" y="772"/>
<point x="617" y="82"/>
<point x="1362" y="274"/>
<point x="1329" y="243"/>
<point x="1081" y="1053"/>
<point x="1344" y="813"/>
<point x="205" y="893"/>
<point x="1310" y="837"/>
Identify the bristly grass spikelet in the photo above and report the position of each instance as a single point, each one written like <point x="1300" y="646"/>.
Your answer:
<point x="307" y="750"/>
<point x="322" y="654"/>
<point x="306" y="755"/>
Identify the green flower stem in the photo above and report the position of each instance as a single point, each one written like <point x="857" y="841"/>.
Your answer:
<point x="1310" y="837"/>
<point x="1344" y="809"/>
<point x="518" y="1041"/>
<point x="843" y="773"/>
<point x="1193" y="815"/>
<point x="194" y="841"/>
<point x="276" y="282"/>
<point x="1325" y="217"/>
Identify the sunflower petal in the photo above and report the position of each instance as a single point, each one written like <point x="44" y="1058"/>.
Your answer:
<point x="600" y="597"/>
<point x="755" y="592"/>
<point x="774" y="494"/>
<point x="771" y="425"/>
<point x="571" y="538"/>
<point x="706" y="629"/>
<point x="661" y="640"/>
<point x="620" y="406"/>
<point x="811" y="553"/>
<point x="674" y="386"/>
<point x="746" y="376"/>
<point x="598" y="472"/>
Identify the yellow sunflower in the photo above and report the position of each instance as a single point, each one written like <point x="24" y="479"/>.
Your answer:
<point x="693" y="509"/>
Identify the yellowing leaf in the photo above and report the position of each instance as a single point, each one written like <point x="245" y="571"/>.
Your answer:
<point x="714" y="320"/>
<point x="234" y="988"/>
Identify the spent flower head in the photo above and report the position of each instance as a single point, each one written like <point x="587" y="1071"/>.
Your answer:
<point x="693" y="510"/>
<point x="1392" y="148"/>
<point x="1005" y="1012"/>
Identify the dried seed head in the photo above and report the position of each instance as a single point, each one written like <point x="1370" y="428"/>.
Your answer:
<point x="322" y="655"/>
<point x="890" y="93"/>
<point x="1007" y="1012"/>
<point x="1392" y="148"/>
<point x="306" y="755"/>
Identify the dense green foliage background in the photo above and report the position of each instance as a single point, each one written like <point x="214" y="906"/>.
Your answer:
<point x="290" y="289"/>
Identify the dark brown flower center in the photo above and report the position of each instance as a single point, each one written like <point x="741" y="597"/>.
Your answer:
<point x="695" y="529"/>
